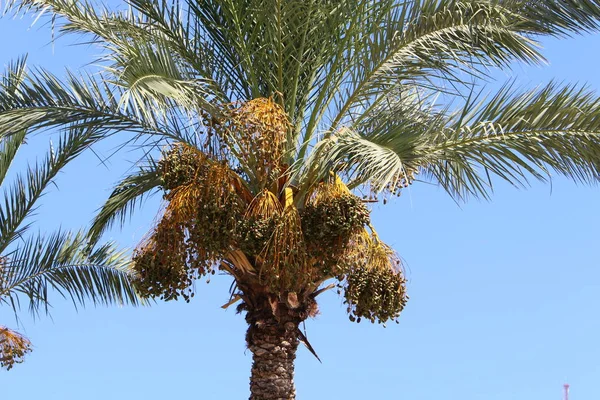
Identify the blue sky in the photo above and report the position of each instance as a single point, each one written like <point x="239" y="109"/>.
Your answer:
<point x="504" y="295"/>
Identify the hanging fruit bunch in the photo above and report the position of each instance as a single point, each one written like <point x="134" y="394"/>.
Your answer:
<point x="210" y="211"/>
<point x="331" y="218"/>
<point x="375" y="287"/>
<point x="13" y="347"/>
<point x="283" y="262"/>
<point x="402" y="181"/>
<point x="197" y="228"/>
<point x="256" y="134"/>
<point x="179" y="165"/>
<point x="259" y="222"/>
<point x="160" y="263"/>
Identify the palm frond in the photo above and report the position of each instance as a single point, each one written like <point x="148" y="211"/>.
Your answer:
<point x="141" y="57"/>
<point x="271" y="46"/>
<point x="60" y="262"/>
<point x="8" y="150"/>
<point x="511" y="135"/>
<point x="40" y="100"/>
<point x="172" y="25"/>
<point x="357" y="80"/>
<point x="558" y="17"/>
<point x="344" y="57"/>
<point x="14" y="75"/>
<point x="515" y="135"/>
<point x="136" y="39"/>
<point x="10" y="83"/>
<point x="382" y="146"/>
<point x="430" y="43"/>
<point x="25" y="191"/>
<point x="124" y="199"/>
<point x="153" y="81"/>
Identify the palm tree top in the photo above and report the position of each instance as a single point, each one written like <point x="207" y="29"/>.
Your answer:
<point x="277" y="115"/>
<point x="289" y="97"/>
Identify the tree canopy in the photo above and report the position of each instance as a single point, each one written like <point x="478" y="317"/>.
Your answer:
<point x="278" y="121"/>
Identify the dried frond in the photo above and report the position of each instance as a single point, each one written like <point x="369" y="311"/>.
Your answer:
<point x="13" y="347"/>
<point x="238" y="259"/>
<point x="240" y="187"/>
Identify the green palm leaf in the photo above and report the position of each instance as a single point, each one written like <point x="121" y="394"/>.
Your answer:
<point x="59" y="262"/>
<point x="515" y="135"/>
<point x="10" y="146"/>
<point x="124" y="199"/>
<point x="33" y="266"/>
<point x="511" y="135"/>
<point x="40" y="100"/>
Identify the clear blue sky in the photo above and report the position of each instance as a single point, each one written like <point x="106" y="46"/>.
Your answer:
<point x="504" y="295"/>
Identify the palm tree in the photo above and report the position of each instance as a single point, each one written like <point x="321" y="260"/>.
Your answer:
<point x="32" y="265"/>
<point x="274" y="118"/>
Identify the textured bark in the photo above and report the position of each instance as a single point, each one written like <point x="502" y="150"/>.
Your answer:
<point x="273" y="345"/>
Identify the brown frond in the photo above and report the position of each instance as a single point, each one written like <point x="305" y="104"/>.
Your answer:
<point x="238" y="259"/>
<point x="239" y="186"/>
<point x="13" y="347"/>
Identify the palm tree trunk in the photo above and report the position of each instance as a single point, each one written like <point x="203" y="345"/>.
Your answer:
<point x="273" y="345"/>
